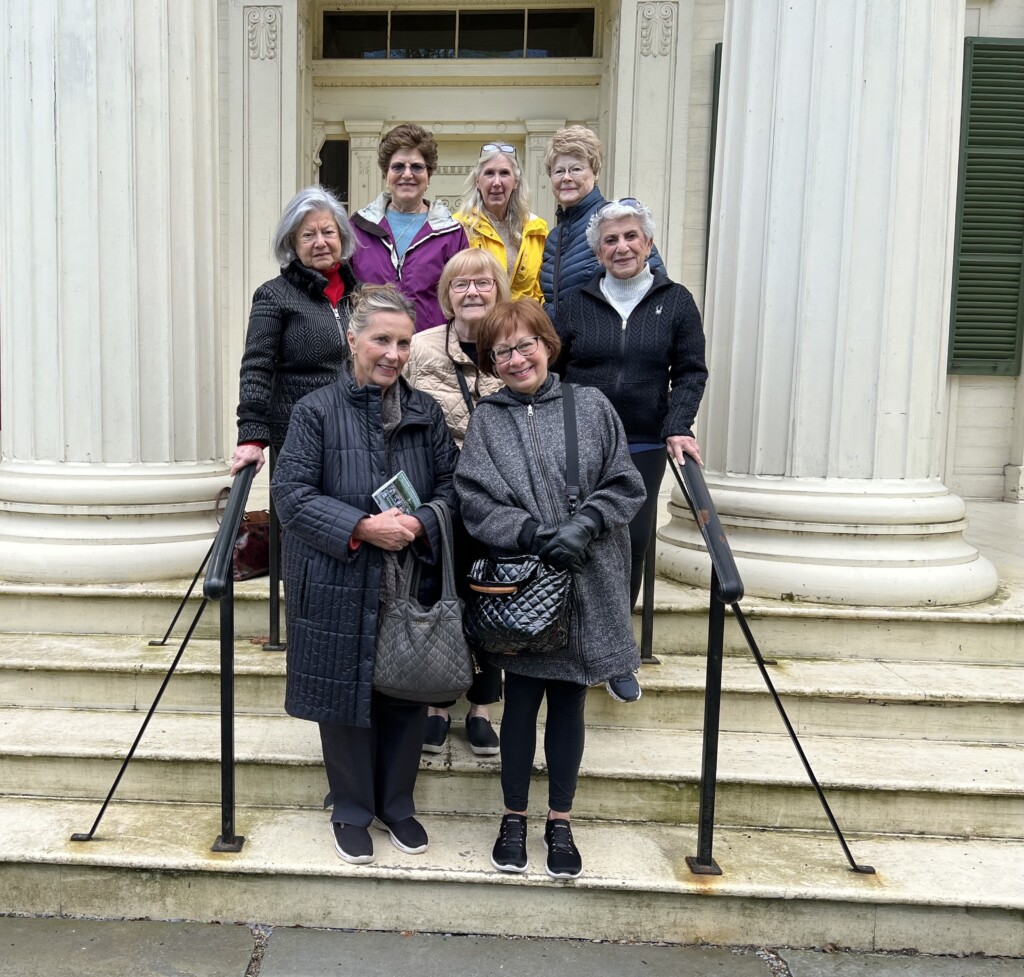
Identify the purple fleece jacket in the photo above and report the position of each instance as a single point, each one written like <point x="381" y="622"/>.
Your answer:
<point x="419" y="271"/>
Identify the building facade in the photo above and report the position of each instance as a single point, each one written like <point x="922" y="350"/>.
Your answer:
<point x="150" y="148"/>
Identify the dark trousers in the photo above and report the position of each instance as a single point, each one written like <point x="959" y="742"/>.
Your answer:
<point x="564" y="738"/>
<point x="651" y="465"/>
<point x="372" y="771"/>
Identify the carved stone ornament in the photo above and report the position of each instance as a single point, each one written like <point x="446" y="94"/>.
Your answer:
<point x="657" y="25"/>
<point x="263" y="24"/>
<point x="319" y="138"/>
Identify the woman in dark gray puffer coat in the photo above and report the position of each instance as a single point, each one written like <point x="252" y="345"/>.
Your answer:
<point x="344" y="441"/>
<point x="510" y="481"/>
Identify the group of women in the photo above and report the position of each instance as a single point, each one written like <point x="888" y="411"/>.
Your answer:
<point x="413" y="340"/>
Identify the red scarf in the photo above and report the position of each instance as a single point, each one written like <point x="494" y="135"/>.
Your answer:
<point x="335" y="287"/>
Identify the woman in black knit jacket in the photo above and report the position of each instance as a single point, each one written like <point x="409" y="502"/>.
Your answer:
<point x="295" y="342"/>
<point x="636" y="336"/>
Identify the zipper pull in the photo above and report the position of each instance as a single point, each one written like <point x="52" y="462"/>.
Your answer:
<point x="529" y="410"/>
<point x="337" y="314"/>
<point x="623" y="325"/>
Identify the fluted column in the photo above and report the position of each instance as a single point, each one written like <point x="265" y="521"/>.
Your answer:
<point x="828" y="305"/>
<point x="110" y="340"/>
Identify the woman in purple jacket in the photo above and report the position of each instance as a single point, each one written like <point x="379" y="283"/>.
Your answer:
<point x="403" y="239"/>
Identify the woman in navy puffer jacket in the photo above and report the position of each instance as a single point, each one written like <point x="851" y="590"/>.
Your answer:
<point x="573" y="159"/>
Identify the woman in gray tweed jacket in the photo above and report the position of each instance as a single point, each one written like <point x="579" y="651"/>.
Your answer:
<point x="510" y="481"/>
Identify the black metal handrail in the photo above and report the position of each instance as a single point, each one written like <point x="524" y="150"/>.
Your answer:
<point x="727" y="588"/>
<point x="220" y="586"/>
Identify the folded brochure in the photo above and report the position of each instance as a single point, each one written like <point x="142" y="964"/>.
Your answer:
<point x="397" y="493"/>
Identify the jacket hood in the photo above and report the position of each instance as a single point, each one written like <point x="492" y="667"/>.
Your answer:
<point x="550" y="389"/>
<point x="439" y="217"/>
<point x="310" y="281"/>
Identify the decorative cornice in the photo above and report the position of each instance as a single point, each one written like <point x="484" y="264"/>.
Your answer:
<point x="657" y="25"/>
<point x="263" y="24"/>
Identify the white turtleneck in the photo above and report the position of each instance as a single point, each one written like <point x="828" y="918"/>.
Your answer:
<point x="624" y="294"/>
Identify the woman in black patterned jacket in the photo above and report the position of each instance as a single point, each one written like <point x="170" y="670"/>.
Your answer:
<point x="636" y="336"/>
<point x="296" y="341"/>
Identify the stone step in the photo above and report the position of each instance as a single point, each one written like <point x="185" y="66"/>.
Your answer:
<point x="856" y="697"/>
<point x="988" y="632"/>
<point x="875" y="785"/>
<point x="777" y="888"/>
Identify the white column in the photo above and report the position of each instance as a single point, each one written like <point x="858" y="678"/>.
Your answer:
<point x="266" y="159"/>
<point x="110" y="333"/>
<point x="646" y="136"/>
<point x="364" y="179"/>
<point x="828" y="305"/>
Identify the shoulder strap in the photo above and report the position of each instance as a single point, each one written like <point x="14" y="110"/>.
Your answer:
<point x="463" y="386"/>
<point x="572" y="455"/>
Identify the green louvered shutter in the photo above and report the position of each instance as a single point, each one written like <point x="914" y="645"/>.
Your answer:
<point x="988" y="280"/>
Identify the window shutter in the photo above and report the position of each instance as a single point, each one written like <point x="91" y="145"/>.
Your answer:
<point x="988" y="278"/>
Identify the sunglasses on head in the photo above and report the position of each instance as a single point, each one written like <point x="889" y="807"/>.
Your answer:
<point x="498" y="147"/>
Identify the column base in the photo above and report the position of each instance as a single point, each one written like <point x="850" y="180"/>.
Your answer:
<point x="890" y="543"/>
<point x="78" y="524"/>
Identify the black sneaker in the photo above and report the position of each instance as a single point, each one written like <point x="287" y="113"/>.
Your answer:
<point x="509" y="852"/>
<point x="564" y="860"/>
<point x="483" y="741"/>
<point x="407" y="835"/>
<point x="624" y="688"/>
<point x="353" y="843"/>
<point x="436" y="733"/>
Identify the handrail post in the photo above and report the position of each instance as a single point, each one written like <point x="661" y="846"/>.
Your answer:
<point x="274" y="642"/>
<point x="227" y="840"/>
<point x="704" y="863"/>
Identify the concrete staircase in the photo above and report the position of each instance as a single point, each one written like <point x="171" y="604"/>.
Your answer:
<point x="914" y="723"/>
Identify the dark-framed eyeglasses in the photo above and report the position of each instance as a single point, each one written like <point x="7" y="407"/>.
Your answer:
<point x="502" y="354"/>
<point x="481" y="284"/>
<point x="498" y="147"/>
<point x="399" y="168"/>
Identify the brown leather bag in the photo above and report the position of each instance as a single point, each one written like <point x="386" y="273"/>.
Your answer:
<point x="251" y="557"/>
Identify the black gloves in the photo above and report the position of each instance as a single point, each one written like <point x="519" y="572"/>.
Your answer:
<point x="534" y="536"/>
<point x="567" y="548"/>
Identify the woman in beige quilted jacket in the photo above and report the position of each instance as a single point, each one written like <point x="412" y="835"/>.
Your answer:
<point x="443" y="363"/>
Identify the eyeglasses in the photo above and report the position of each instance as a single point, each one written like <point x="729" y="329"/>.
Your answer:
<point x="399" y="168"/>
<point x="574" y="171"/>
<point x="502" y="354"/>
<point x="462" y="284"/>
<point x="624" y="201"/>
<point x="498" y="147"/>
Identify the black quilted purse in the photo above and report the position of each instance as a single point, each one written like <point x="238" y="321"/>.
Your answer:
<point x="422" y="655"/>
<point x="518" y="604"/>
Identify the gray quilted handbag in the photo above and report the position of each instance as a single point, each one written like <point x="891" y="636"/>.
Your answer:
<point x="518" y="604"/>
<point x="422" y="655"/>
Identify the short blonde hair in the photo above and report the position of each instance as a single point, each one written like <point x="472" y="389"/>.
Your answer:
<point x="504" y="320"/>
<point x="578" y="141"/>
<point x="371" y="299"/>
<point x="467" y="263"/>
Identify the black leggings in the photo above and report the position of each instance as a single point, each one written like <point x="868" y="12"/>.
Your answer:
<point x="564" y="737"/>
<point x="651" y="465"/>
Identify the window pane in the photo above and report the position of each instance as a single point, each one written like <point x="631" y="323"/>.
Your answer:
<point x="334" y="168"/>
<point x="560" y="34"/>
<point x="487" y="34"/>
<point x="419" y="35"/>
<point x="355" y="35"/>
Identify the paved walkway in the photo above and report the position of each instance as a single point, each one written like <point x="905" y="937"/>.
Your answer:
<point x="47" y="947"/>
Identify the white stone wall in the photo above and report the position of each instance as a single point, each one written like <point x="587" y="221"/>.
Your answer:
<point x="985" y="443"/>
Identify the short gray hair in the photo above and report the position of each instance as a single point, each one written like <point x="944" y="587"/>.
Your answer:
<point x="616" y="210"/>
<point x="305" y="202"/>
<point x="371" y="299"/>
